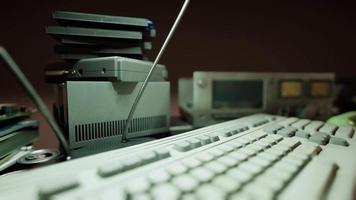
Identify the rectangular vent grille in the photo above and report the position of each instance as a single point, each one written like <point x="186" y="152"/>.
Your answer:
<point x="92" y="131"/>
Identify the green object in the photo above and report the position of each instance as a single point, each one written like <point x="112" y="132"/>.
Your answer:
<point x="345" y="119"/>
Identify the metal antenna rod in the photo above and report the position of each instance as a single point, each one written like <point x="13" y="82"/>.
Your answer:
<point x="143" y="87"/>
<point x="16" y="71"/>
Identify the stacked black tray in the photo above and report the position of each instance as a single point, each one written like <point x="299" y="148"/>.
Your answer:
<point x="84" y="35"/>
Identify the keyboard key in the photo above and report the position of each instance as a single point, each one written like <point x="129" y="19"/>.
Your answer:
<point x="204" y="139"/>
<point x="188" y="196"/>
<point x="254" y="136"/>
<point x="290" y="160"/>
<point x="210" y="192"/>
<point x="287" y="132"/>
<point x="313" y="126"/>
<point x="272" y="183"/>
<point x="185" y="183"/>
<point x="216" y="152"/>
<point x="245" y="128"/>
<point x="137" y="185"/>
<point x="260" y="162"/>
<point x="300" y="124"/>
<point x="268" y="156"/>
<point x="255" y="120"/>
<point x="241" y="129"/>
<point x="259" y="135"/>
<point x="291" y="143"/>
<point x="255" y="147"/>
<point x="158" y="176"/>
<point x="202" y="174"/>
<point x="140" y="196"/>
<point x="149" y="157"/>
<point x="195" y="143"/>
<point x="58" y="186"/>
<point x="235" y="145"/>
<point x="278" y="173"/>
<point x="275" y="138"/>
<point x="302" y="157"/>
<point x="250" y="137"/>
<point x="214" y="138"/>
<point x="238" y="156"/>
<point x="258" y="192"/>
<point x="248" y="151"/>
<point x="131" y="162"/>
<point x="191" y="162"/>
<point x="322" y="174"/>
<point x="242" y="196"/>
<point x="182" y="146"/>
<point x="272" y="129"/>
<point x="250" y="167"/>
<point x="320" y="138"/>
<point x="308" y="149"/>
<point x="277" y="154"/>
<point x="339" y="141"/>
<point x="286" y="167"/>
<point x="302" y="134"/>
<point x="279" y="150"/>
<point x="288" y="121"/>
<point x="110" y="169"/>
<point x="234" y="132"/>
<point x="242" y="176"/>
<point x="204" y="157"/>
<point x="227" y="133"/>
<point x="264" y="144"/>
<point x="242" y="141"/>
<point x="176" y="169"/>
<point x="109" y="193"/>
<point x="216" y="167"/>
<point x="226" y="183"/>
<point x="162" y="153"/>
<point x="228" y="161"/>
<point x="344" y="132"/>
<point x="328" y="128"/>
<point x="165" y="191"/>
<point x="226" y="148"/>
<point x="268" y="140"/>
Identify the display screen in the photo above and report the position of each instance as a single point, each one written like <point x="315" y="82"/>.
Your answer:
<point x="237" y="94"/>
<point x="320" y="88"/>
<point x="291" y="89"/>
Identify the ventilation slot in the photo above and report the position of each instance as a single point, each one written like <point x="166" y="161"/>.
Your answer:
<point x="93" y="131"/>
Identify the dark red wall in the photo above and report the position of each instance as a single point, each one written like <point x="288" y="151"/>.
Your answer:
<point x="214" y="35"/>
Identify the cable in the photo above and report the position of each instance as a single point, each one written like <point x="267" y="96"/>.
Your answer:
<point x="143" y="87"/>
<point x="16" y="71"/>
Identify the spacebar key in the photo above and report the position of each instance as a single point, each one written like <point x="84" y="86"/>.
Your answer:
<point x="312" y="183"/>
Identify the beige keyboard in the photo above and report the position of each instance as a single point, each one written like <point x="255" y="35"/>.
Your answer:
<point x="256" y="157"/>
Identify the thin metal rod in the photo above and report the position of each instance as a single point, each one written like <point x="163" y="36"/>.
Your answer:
<point x="16" y="71"/>
<point x="143" y="87"/>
